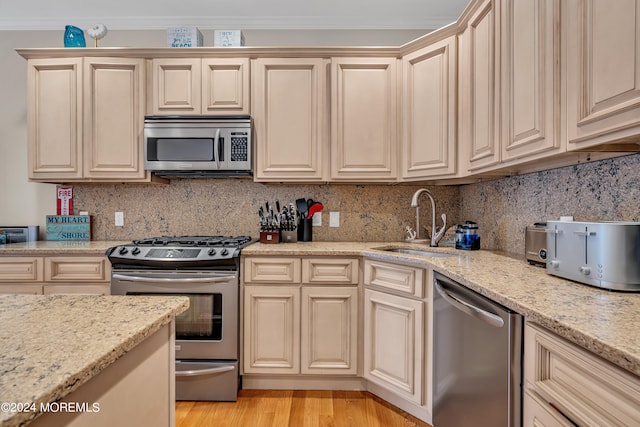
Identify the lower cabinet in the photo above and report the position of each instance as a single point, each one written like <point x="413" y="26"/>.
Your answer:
<point x="393" y="345"/>
<point x="299" y="328"/>
<point x="565" y="385"/>
<point x="55" y="274"/>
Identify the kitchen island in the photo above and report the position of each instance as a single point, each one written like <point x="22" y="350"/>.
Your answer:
<point x="87" y="359"/>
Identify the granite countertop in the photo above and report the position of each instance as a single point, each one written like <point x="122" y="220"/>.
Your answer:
<point x="54" y="247"/>
<point x="52" y="344"/>
<point x="604" y="322"/>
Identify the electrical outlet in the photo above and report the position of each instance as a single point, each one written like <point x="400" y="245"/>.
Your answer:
<point x="334" y="219"/>
<point x="119" y="219"/>
<point x="317" y="219"/>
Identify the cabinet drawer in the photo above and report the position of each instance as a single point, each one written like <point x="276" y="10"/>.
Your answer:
<point x="23" y="288"/>
<point x="335" y="271"/>
<point x="21" y="269"/>
<point x="537" y="413"/>
<point x="407" y="280"/>
<point x="77" y="289"/>
<point x="272" y="270"/>
<point x="74" y="269"/>
<point x="587" y="389"/>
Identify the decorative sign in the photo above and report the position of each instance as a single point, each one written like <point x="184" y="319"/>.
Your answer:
<point x="68" y="227"/>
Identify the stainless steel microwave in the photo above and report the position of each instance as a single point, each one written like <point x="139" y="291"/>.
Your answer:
<point x="198" y="146"/>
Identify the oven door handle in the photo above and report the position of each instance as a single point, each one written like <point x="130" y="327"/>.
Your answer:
<point x="128" y="278"/>
<point x="208" y="371"/>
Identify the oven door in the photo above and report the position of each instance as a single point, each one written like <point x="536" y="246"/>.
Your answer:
<point x="209" y="328"/>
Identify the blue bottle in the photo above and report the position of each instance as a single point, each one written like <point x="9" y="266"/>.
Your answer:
<point x="73" y="37"/>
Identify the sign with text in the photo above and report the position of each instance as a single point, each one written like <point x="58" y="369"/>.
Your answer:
<point x="68" y="227"/>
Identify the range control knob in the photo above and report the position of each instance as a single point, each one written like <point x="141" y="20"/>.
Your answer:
<point x="224" y="252"/>
<point x="135" y="251"/>
<point x="211" y="252"/>
<point x="585" y="270"/>
<point x="123" y="250"/>
<point x="554" y="263"/>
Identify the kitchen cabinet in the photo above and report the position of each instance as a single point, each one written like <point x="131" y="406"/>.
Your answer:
<point x="530" y="80"/>
<point x="364" y="119"/>
<point x="429" y="89"/>
<point x="479" y="90"/>
<point x="289" y="107"/>
<point x="603" y="71"/>
<point x="300" y="315"/>
<point x="85" y="118"/>
<point x="565" y="382"/>
<point x="199" y="86"/>
<point x="55" y="275"/>
<point x="396" y="330"/>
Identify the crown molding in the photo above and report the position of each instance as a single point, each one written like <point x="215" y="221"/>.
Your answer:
<point x="229" y="22"/>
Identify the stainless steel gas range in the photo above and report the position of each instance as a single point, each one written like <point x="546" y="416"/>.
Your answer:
<point x="205" y="269"/>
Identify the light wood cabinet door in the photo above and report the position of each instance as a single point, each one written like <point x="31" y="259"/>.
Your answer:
<point x="530" y="80"/>
<point x="272" y="329"/>
<point x="479" y="88"/>
<point x="21" y="269"/>
<point x="429" y="89"/>
<point x="176" y="86"/>
<point x="225" y="86"/>
<point x="603" y="71"/>
<point x="54" y="118"/>
<point x="364" y="119"/>
<point x="77" y="269"/>
<point x="394" y="343"/>
<point x="329" y="330"/>
<point x="289" y="102"/>
<point x="113" y="118"/>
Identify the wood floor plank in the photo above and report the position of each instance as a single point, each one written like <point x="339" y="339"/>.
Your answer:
<point x="295" y="408"/>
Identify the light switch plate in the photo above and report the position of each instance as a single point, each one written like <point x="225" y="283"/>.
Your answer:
<point x="119" y="219"/>
<point x="334" y="219"/>
<point x="317" y="219"/>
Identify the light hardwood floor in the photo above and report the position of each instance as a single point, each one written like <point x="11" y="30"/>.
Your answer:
<point x="279" y="408"/>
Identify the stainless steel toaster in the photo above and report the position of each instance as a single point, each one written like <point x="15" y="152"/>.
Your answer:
<point x="535" y="244"/>
<point x="602" y="254"/>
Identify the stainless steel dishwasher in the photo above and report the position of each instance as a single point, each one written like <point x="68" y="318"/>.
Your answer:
<point x="477" y="362"/>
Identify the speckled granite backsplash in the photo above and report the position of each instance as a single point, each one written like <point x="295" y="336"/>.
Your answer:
<point x="607" y="190"/>
<point x="604" y="190"/>
<point x="230" y="207"/>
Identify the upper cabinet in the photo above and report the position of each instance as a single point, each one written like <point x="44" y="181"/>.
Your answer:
<point x="530" y="79"/>
<point x="289" y="105"/>
<point x="199" y="86"/>
<point x="85" y="119"/>
<point x="364" y="119"/>
<point x="603" y="71"/>
<point x="479" y="87"/>
<point x="513" y="86"/>
<point x="429" y="111"/>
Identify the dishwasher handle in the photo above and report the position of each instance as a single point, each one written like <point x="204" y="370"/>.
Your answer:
<point x="487" y="317"/>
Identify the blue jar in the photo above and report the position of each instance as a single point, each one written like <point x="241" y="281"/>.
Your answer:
<point x="467" y="236"/>
<point x="74" y="37"/>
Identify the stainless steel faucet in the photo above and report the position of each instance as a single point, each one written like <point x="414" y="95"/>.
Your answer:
<point x="436" y="234"/>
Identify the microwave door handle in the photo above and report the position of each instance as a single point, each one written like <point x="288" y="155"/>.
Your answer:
<point x="216" y="145"/>
<point x="130" y="278"/>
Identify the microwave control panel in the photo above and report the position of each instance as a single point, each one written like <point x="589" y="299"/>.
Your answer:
<point x="239" y="147"/>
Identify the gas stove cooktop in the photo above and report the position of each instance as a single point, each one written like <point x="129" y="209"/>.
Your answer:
<point x="179" y="251"/>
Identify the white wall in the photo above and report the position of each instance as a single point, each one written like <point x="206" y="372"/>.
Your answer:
<point x="27" y="203"/>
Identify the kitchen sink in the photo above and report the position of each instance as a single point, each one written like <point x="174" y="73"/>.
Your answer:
<point x="419" y="252"/>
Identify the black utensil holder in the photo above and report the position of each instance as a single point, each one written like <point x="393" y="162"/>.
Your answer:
<point x="304" y="230"/>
